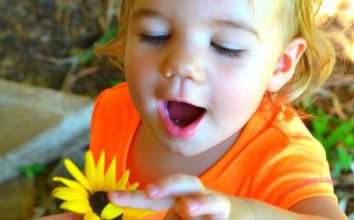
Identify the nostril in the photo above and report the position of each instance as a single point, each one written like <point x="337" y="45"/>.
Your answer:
<point x="194" y="72"/>
<point x="184" y="65"/>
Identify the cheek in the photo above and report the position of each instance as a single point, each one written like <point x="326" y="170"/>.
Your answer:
<point x="137" y="69"/>
<point x="239" y="98"/>
<point x="240" y="93"/>
<point x="142" y="76"/>
<point x="136" y="75"/>
<point x="242" y="83"/>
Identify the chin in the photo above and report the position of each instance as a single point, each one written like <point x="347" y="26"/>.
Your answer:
<point x="182" y="150"/>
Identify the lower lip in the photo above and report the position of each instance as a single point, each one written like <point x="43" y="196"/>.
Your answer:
<point x="176" y="131"/>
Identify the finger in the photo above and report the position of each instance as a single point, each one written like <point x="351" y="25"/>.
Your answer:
<point x="175" y="185"/>
<point x="214" y="206"/>
<point x="138" y="199"/>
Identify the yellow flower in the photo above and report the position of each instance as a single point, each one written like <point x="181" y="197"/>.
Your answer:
<point x="87" y="195"/>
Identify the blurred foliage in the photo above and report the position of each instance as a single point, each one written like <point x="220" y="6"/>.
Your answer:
<point x="336" y="135"/>
<point x="31" y="170"/>
<point x="88" y="55"/>
<point x="116" y="82"/>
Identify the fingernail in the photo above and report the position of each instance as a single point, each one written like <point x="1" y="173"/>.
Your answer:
<point x="193" y="205"/>
<point x="114" y="195"/>
<point x="153" y="191"/>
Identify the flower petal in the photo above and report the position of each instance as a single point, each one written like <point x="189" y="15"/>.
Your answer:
<point x="77" y="174"/>
<point x="111" y="211"/>
<point x="76" y="206"/>
<point x="110" y="178"/>
<point x="100" y="172"/>
<point x="90" y="169"/>
<point x="134" y="186"/>
<point x="91" y="216"/>
<point x="121" y="184"/>
<point x="72" y="184"/>
<point x="66" y="193"/>
<point x="130" y="213"/>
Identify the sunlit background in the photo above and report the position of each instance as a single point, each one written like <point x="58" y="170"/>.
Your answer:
<point x="343" y="31"/>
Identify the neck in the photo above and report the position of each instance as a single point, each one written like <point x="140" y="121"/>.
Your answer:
<point x="149" y="161"/>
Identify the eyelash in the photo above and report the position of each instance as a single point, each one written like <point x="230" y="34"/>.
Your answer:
<point x="154" y="39"/>
<point x="157" y="40"/>
<point x="227" y="51"/>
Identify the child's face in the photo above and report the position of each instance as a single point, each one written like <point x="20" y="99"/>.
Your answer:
<point x="222" y="54"/>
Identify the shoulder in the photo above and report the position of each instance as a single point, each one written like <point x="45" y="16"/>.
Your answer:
<point x="298" y="136"/>
<point x="294" y="168"/>
<point x="113" y="104"/>
<point x="113" y="108"/>
<point x="300" y="151"/>
<point x="113" y="122"/>
<point x="285" y="129"/>
<point x="114" y="97"/>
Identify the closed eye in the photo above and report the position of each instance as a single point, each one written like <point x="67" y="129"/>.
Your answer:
<point x="227" y="51"/>
<point x="154" y="39"/>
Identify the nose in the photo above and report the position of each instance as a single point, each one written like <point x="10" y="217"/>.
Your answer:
<point x="185" y="64"/>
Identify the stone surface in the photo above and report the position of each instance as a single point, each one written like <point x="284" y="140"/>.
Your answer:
<point x="17" y="199"/>
<point x="38" y="125"/>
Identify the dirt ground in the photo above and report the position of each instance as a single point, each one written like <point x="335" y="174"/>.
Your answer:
<point x="39" y="40"/>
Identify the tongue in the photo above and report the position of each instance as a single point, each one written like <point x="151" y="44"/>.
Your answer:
<point x="183" y="114"/>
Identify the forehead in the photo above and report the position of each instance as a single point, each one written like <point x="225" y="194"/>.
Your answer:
<point x="254" y="11"/>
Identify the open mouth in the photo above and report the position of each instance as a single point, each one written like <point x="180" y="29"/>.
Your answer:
<point x="181" y="119"/>
<point x="183" y="114"/>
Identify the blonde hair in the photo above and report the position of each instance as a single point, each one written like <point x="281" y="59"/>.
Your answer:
<point x="313" y="69"/>
<point x="317" y="62"/>
<point x="115" y="49"/>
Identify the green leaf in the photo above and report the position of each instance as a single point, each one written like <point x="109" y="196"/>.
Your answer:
<point x="88" y="55"/>
<point x="109" y="35"/>
<point x="337" y="168"/>
<point x="349" y="141"/>
<point x="29" y="174"/>
<point x="38" y="168"/>
<point x="346" y="128"/>
<point x="31" y="170"/>
<point x="320" y="124"/>
<point x="345" y="159"/>
<point x="115" y="82"/>
<point x="337" y="137"/>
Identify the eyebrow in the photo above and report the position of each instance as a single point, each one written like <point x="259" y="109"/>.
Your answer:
<point x="237" y="25"/>
<point x="147" y="13"/>
<point x="140" y="13"/>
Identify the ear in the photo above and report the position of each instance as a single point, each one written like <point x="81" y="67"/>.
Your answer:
<point x="285" y="68"/>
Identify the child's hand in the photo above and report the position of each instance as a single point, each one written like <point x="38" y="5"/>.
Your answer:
<point x="183" y="195"/>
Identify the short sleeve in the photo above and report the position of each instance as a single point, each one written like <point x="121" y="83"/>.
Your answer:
<point x="293" y="172"/>
<point x="98" y="127"/>
<point x="113" y="123"/>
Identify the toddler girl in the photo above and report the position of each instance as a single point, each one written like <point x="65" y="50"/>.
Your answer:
<point x="204" y="121"/>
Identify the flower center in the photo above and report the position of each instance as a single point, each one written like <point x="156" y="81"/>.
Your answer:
<point x="98" y="201"/>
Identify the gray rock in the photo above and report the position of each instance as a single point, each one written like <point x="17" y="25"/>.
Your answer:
<point x="38" y="125"/>
<point x="17" y="199"/>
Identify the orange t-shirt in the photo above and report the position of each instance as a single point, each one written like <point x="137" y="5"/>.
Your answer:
<point x="275" y="159"/>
